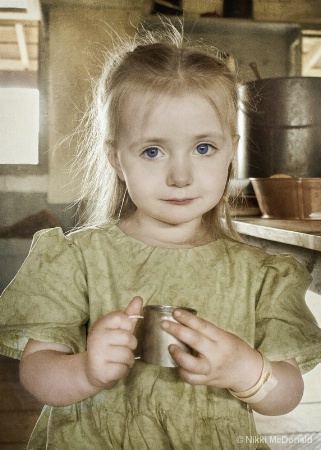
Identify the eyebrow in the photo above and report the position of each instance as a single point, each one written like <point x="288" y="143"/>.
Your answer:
<point x="209" y="135"/>
<point x="146" y="141"/>
<point x="150" y="139"/>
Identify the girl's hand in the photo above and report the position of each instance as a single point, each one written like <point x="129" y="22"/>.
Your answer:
<point x="223" y="359"/>
<point x="110" y="346"/>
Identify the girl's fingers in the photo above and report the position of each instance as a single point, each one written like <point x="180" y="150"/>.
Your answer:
<point x="194" y="339"/>
<point x="198" y="324"/>
<point x="120" y="355"/>
<point x="121" y="338"/>
<point x="192" y="364"/>
<point x="117" y="371"/>
<point x="113" y="321"/>
<point x="193" y="378"/>
<point x="118" y="320"/>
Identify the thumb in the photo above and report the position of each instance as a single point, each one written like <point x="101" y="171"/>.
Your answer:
<point x="134" y="307"/>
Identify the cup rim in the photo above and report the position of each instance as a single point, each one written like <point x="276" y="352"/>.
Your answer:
<point x="169" y="308"/>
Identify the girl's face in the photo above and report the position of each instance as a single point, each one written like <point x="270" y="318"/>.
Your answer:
<point x="174" y="157"/>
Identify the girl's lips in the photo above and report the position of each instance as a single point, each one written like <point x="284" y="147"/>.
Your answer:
<point x="177" y="201"/>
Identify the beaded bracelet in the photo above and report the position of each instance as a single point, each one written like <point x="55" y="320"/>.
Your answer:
<point x="265" y="384"/>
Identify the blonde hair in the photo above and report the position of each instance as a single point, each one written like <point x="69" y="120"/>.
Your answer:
<point x="157" y="63"/>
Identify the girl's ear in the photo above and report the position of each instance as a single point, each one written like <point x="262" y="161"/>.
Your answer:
<point x="114" y="161"/>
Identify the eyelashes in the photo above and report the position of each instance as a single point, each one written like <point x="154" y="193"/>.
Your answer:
<point x="204" y="148"/>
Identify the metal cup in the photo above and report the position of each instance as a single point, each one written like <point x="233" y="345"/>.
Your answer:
<point x="153" y="341"/>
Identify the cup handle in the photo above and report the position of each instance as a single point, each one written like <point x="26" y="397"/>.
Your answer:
<point x="136" y="316"/>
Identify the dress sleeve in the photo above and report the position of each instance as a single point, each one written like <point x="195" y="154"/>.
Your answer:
<point x="47" y="300"/>
<point x="285" y="326"/>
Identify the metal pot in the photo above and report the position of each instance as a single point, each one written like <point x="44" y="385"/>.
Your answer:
<point x="280" y="127"/>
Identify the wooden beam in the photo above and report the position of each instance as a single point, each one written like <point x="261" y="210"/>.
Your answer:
<point x="32" y="12"/>
<point x="23" y="50"/>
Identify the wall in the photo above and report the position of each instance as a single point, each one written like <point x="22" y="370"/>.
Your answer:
<point x="72" y="38"/>
<point x="77" y="39"/>
<point x="23" y="188"/>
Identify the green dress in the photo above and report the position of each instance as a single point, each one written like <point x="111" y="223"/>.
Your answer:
<point x="68" y="282"/>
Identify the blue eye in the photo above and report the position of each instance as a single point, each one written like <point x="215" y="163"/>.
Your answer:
<point x="151" y="152"/>
<point x="203" y="149"/>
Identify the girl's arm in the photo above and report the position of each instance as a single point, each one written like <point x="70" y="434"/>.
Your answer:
<point x="224" y="360"/>
<point x="53" y="375"/>
<point x="58" y="378"/>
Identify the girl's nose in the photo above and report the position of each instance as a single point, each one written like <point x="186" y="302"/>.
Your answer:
<point x="179" y="174"/>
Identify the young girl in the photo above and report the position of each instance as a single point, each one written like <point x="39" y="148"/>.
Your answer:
<point x="164" y="120"/>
